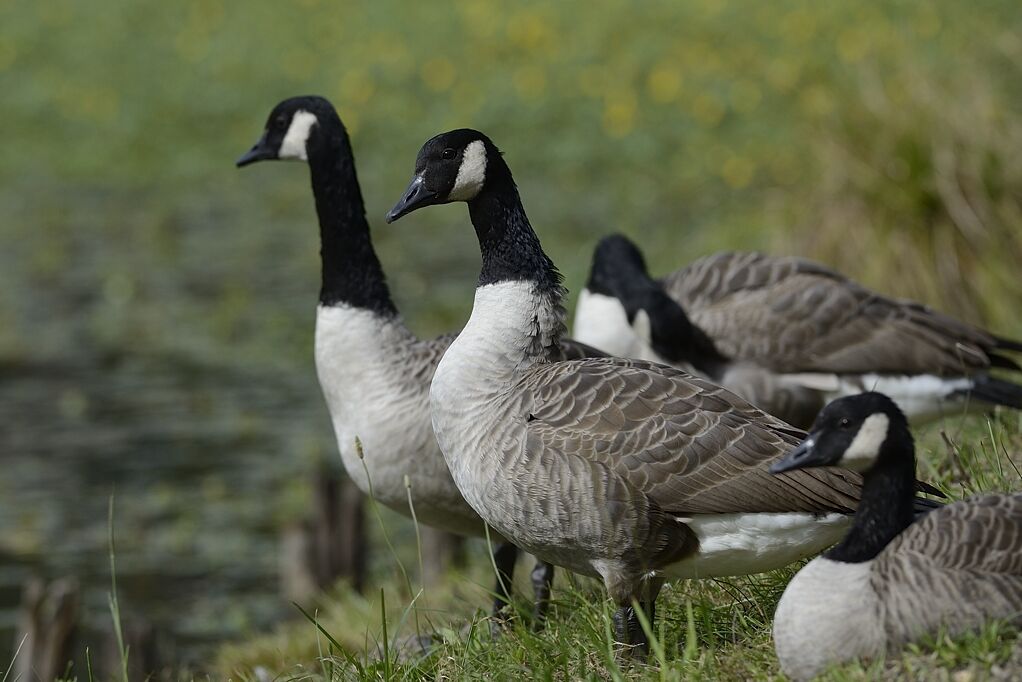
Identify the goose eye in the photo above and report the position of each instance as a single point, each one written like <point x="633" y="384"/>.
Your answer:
<point x="281" y="121"/>
<point x="844" y="423"/>
<point x="448" y="154"/>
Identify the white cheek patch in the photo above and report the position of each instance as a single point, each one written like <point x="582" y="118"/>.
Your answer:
<point x="865" y="447"/>
<point x="471" y="174"/>
<point x="293" y="145"/>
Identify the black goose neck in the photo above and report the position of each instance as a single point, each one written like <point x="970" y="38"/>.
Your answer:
<point x="510" y="248"/>
<point x="887" y="505"/>
<point x="673" y="335"/>
<point x="352" y="274"/>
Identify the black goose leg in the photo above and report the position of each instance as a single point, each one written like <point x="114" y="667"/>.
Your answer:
<point x="504" y="559"/>
<point x="542" y="579"/>
<point x="627" y="627"/>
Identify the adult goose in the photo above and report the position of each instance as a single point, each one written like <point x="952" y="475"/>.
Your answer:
<point x="892" y="581"/>
<point x="373" y="371"/>
<point x="789" y="335"/>
<point x="622" y="469"/>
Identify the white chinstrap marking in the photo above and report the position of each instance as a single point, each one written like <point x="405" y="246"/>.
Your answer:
<point x="471" y="173"/>
<point x="293" y="144"/>
<point x="865" y="447"/>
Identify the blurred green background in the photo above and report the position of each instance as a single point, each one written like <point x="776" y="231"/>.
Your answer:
<point x="156" y="304"/>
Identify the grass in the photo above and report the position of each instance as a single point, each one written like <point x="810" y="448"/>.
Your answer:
<point x="711" y="629"/>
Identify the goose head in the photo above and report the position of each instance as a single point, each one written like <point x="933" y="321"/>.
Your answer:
<point x="854" y="432"/>
<point x="454" y="166"/>
<point x="617" y="264"/>
<point x="295" y="130"/>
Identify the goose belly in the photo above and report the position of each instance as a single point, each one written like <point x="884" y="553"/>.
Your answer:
<point x="828" y="613"/>
<point x="742" y="544"/>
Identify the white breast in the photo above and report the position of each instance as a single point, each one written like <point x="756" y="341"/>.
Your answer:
<point x="372" y="394"/>
<point x="828" y="613"/>
<point x="472" y="399"/>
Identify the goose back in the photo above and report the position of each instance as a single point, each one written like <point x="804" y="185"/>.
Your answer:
<point x="792" y="315"/>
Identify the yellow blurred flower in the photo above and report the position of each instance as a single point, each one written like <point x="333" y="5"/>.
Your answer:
<point x="528" y="30"/>
<point x="664" y="83"/>
<point x="619" y="114"/>
<point x="737" y="171"/>
<point x="481" y="17"/>
<point x="799" y="26"/>
<point x="356" y="86"/>
<point x="390" y="50"/>
<point x="853" y="44"/>
<point x="530" y="82"/>
<point x="438" y="74"/>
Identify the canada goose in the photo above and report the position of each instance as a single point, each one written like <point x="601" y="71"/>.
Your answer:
<point x="788" y="334"/>
<point x="622" y="469"/>
<point x="891" y="581"/>
<point x="373" y="371"/>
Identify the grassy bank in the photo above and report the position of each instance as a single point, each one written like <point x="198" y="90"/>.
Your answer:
<point x="711" y="629"/>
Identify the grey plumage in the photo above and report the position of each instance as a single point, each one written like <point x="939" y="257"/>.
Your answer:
<point x="623" y="469"/>
<point x="793" y="315"/>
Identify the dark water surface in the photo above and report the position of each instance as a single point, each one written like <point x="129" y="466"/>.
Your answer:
<point x="157" y="347"/>
<point x="199" y="462"/>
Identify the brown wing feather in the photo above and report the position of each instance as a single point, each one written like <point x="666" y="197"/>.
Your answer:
<point x="793" y="315"/>
<point x="689" y="445"/>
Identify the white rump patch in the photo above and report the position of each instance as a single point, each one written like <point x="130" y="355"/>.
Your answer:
<point x="920" y="396"/>
<point x="293" y="145"/>
<point x="742" y="544"/>
<point x="866" y="445"/>
<point x="471" y="174"/>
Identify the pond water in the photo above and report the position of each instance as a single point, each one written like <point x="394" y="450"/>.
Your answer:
<point x="157" y="350"/>
<point x="197" y="471"/>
